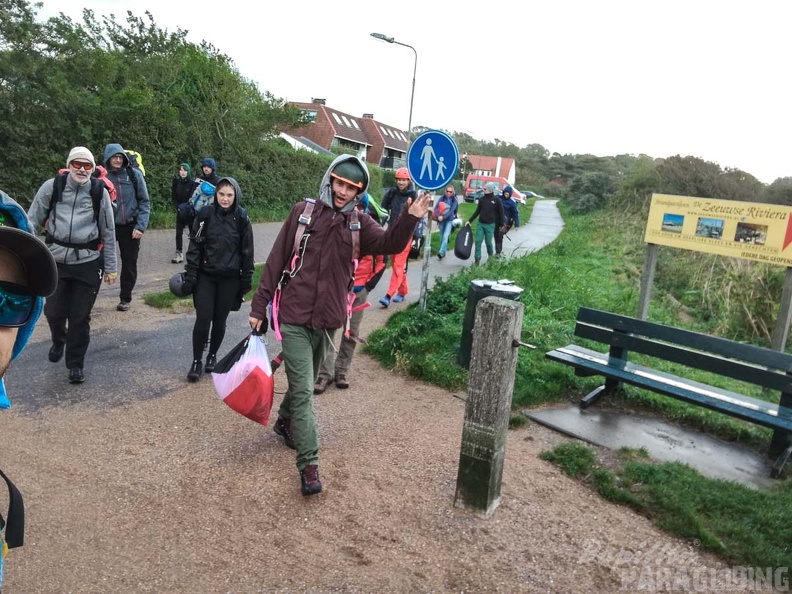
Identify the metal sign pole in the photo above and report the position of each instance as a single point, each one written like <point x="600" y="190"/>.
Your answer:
<point x="427" y="254"/>
<point x="432" y="160"/>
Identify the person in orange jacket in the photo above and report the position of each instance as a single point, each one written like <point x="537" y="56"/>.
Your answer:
<point x="335" y="368"/>
<point x="394" y="203"/>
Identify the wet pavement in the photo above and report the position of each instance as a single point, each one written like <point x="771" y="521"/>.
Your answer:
<point x="663" y="441"/>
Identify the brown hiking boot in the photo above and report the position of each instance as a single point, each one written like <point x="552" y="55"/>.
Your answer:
<point x="283" y="428"/>
<point x="321" y="385"/>
<point x="309" y="480"/>
<point x="341" y="381"/>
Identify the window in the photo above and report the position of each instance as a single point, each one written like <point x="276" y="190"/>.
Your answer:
<point x="354" y="123"/>
<point x="309" y="115"/>
<point x="346" y="122"/>
<point x="336" y="118"/>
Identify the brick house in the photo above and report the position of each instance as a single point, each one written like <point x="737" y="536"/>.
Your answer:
<point x="494" y="166"/>
<point x="374" y="142"/>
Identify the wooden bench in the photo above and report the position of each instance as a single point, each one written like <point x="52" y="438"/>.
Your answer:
<point x="751" y="364"/>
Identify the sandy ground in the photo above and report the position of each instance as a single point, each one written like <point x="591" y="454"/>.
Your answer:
<point x="181" y="494"/>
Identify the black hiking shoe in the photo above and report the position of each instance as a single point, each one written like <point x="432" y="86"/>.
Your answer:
<point x="309" y="480"/>
<point x="76" y="375"/>
<point x="282" y="427"/>
<point x="195" y="371"/>
<point x="56" y="352"/>
<point x="211" y="361"/>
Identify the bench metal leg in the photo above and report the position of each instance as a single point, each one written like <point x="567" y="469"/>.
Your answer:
<point x="779" y="442"/>
<point x="778" y="466"/>
<point x="611" y="385"/>
<point x="592" y="397"/>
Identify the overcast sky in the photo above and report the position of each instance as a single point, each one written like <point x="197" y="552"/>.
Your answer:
<point x="696" y="77"/>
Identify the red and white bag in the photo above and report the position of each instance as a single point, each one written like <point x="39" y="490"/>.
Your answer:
<point x="243" y="379"/>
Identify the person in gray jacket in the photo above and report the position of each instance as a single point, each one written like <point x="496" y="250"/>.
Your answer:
<point x="131" y="217"/>
<point x="75" y="211"/>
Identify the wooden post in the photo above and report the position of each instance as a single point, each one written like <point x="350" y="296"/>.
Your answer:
<point x="493" y="362"/>
<point x="781" y="331"/>
<point x="647" y="279"/>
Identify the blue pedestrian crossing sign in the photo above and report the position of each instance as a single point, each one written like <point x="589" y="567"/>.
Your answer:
<point x="432" y="160"/>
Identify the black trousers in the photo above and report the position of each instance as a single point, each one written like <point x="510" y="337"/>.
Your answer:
<point x="68" y="310"/>
<point x="129" y="249"/>
<point x="181" y="225"/>
<point x="498" y="236"/>
<point x="213" y="299"/>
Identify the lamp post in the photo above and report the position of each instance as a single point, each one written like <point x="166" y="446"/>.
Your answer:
<point x="384" y="37"/>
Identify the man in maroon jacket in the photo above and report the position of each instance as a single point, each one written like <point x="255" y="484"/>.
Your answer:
<point x="307" y="291"/>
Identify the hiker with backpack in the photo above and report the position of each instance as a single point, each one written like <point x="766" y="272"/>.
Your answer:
<point x="511" y="218"/>
<point x="182" y="190"/>
<point x="394" y="202"/>
<point x="445" y="211"/>
<point x="209" y="171"/>
<point x="131" y="217"/>
<point x="219" y="270"/>
<point x="82" y="241"/>
<point x="305" y="284"/>
<point x="27" y="274"/>
<point x="335" y="367"/>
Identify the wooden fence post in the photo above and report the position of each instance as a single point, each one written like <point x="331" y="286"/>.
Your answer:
<point x="493" y="362"/>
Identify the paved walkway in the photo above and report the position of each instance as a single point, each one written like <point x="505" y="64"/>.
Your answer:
<point x="147" y="352"/>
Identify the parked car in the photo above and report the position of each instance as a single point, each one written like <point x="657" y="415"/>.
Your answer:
<point x="529" y="194"/>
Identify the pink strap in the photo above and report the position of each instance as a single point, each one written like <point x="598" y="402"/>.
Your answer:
<point x="275" y="307"/>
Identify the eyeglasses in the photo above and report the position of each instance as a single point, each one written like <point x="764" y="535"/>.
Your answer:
<point x="449" y="191"/>
<point x="16" y="305"/>
<point x="81" y="165"/>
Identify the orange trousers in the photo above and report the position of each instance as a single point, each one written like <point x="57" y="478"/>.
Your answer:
<point x="398" y="281"/>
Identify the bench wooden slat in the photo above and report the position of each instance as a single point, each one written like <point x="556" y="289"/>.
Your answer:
<point x="737" y="405"/>
<point x="713" y="344"/>
<point x="739" y="370"/>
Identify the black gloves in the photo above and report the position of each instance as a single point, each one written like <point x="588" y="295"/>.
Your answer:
<point x="264" y="328"/>
<point x="372" y="282"/>
<point x="188" y="286"/>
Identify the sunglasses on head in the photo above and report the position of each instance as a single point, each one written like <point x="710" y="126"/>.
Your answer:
<point x="16" y="305"/>
<point x="81" y="165"/>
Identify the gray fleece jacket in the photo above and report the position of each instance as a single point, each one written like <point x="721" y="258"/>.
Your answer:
<point x="72" y="220"/>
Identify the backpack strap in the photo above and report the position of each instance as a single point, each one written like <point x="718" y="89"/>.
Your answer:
<point x="298" y="249"/>
<point x="133" y="178"/>
<point x="58" y="186"/>
<point x="15" y="526"/>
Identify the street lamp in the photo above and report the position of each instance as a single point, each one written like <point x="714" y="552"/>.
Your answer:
<point x="383" y="37"/>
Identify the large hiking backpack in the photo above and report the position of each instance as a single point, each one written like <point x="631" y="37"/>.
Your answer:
<point x="97" y="192"/>
<point x="136" y="161"/>
<point x="203" y="195"/>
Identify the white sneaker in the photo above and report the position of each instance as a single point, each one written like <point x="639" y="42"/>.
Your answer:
<point x="178" y="258"/>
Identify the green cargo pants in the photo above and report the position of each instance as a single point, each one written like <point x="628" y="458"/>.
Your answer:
<point x="303" y="352"/>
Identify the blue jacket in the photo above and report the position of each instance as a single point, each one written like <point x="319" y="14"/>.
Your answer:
<point x="451" y="206"/>
<point x="511" y="215"/>
<point x="133" y="206"/>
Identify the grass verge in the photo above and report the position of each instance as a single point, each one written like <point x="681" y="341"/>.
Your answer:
<point x="588" y="265"/>
<point x="741" y="525"/>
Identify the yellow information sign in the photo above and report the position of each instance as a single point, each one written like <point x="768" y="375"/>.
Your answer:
<point x="749" y="230"/>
